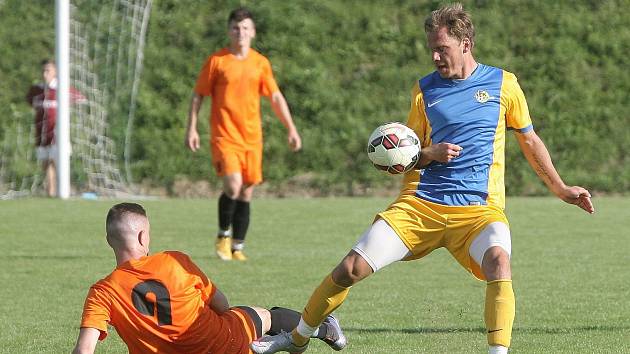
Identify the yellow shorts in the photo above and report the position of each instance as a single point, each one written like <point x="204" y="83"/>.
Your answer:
<point x="248" y="163"/>
<point x="424" y="226"/>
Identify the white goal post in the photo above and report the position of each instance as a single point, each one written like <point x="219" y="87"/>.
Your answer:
<point x="62" y="129"/>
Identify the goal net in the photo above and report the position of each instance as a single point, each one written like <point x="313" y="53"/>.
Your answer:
<point x="106" y="53"/>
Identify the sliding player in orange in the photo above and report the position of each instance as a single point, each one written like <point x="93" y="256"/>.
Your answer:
<point x="235" y="77"/>
<point x="461" y="113"/>
<point x="165" y="304"/>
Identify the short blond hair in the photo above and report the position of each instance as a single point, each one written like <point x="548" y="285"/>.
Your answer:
<point x="457" y="22"/>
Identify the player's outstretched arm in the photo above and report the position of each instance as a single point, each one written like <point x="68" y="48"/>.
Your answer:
<point x="281" y="108"/>
<point x="192" y="137"/>
<point x="86" y="344"/>
<point x="538" y="157"/>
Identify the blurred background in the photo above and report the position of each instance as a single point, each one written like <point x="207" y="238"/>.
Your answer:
<point x="344" y="67"/>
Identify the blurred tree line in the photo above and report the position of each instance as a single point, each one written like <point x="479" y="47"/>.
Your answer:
<point x="346" y="67"/>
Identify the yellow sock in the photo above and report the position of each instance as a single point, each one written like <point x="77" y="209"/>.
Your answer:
<point x="499" y="312"/>
<point x="325" y="299"/>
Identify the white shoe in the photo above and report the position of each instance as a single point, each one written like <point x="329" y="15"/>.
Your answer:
<point x="273" y="344"/>
<point x="334" y="335"/>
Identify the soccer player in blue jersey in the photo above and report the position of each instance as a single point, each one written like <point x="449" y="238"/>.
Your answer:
<point x="461" y="113"/>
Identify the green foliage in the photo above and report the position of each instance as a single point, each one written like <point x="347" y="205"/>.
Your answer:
<point x="571" y="282"/>
<point x="346" y="67"/>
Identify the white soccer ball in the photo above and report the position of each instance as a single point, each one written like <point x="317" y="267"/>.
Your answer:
<point x="394" y="148"/>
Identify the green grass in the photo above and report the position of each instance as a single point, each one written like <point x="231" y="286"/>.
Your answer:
<point x="570" y="274"/>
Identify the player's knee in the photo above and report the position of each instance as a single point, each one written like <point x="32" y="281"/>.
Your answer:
<point x="351" y="270"/>
<point x="245" y="192"/>
<point x="231" y="190"/>
<point x="496" y="264"/>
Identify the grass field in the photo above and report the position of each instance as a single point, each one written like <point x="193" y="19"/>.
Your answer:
<point x="571" y="274"/>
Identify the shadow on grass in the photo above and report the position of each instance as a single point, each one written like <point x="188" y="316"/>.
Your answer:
<point x="559" y="330"/>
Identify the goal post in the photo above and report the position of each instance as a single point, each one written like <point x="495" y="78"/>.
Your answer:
<point x="62" y="128"/>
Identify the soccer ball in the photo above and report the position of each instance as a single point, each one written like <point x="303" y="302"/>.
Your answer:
<point x="394" y="148"/>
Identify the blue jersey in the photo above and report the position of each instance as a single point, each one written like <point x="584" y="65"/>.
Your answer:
<point x="473" y="113"/>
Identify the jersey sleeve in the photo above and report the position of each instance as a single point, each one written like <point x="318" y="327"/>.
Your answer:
<point x="417" y="119"/>
<point x="205" y="80"/>
<point x="268" y="83"/>
<point x="517" y="113"/>
<point x="97" y="311"/>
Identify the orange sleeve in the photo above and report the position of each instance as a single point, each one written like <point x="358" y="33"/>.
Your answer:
<point x="205" y="80"/>
<point x="268" y="83"/>
<point x="97" y="311"/>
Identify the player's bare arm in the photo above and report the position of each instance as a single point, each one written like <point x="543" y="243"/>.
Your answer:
<point x="219" y="302"/>
<point x="192" y="137"/>
<point x="86" y="344"/>
<point x="539" y="159"/>
<point x="441" y="152"/>
<point x="281" y="108"/>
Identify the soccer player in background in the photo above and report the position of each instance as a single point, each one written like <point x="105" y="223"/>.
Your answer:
<point x="43" y="98"/>
<point x="461" y="113"/>
<point x="235" y="77"/>
<point x="164" y="303"/>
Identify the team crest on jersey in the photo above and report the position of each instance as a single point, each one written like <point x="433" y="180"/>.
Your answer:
<point x="482" y="96"/>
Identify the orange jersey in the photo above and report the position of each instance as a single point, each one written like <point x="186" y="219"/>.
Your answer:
<point x="236" y="86"/>
<point x="159" y="304"/>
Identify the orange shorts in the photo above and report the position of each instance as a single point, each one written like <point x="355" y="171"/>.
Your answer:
<point x="243" y="330"/>
<point x="248" y="163"/>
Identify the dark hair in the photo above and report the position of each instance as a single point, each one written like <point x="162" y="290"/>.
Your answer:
<point x="117" y="211"/>
<point x="48" y="61"/>
<point x="239" y="15"/>
<point x="455" y="19"/>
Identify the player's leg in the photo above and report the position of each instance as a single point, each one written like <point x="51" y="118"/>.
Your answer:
<point x="491" y="249"/>
<point x="378" y="247"/>
<point x="227" y="206"/>
<point x="46" y="158"/>
<point x="285" y="320"/>
<point x="251" y="167"/>
<point x="281" y="321"/>
<point x="51" y="171"/>
<point x="240" y="221"/>
<point x="51" y="177"/>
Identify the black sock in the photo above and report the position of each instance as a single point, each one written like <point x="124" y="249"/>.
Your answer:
<point x="240" y="221"/>
<point x="227" y="206"/>
<point x="283" y="319"/>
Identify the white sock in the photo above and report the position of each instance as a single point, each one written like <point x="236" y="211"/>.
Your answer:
<point x="305" y="330"/>
<point x="237" y="246"/>
<point x="497" y="349"/>
<point x="225" y="233"/>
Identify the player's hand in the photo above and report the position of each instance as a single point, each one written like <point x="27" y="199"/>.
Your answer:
<point x="192" y="140"/>
<point x="442" y="152"/>
<point x="578" y="196"/>
<point x="295" y="142"/>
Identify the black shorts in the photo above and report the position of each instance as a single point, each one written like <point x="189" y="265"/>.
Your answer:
<point x="253" y="315"/>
